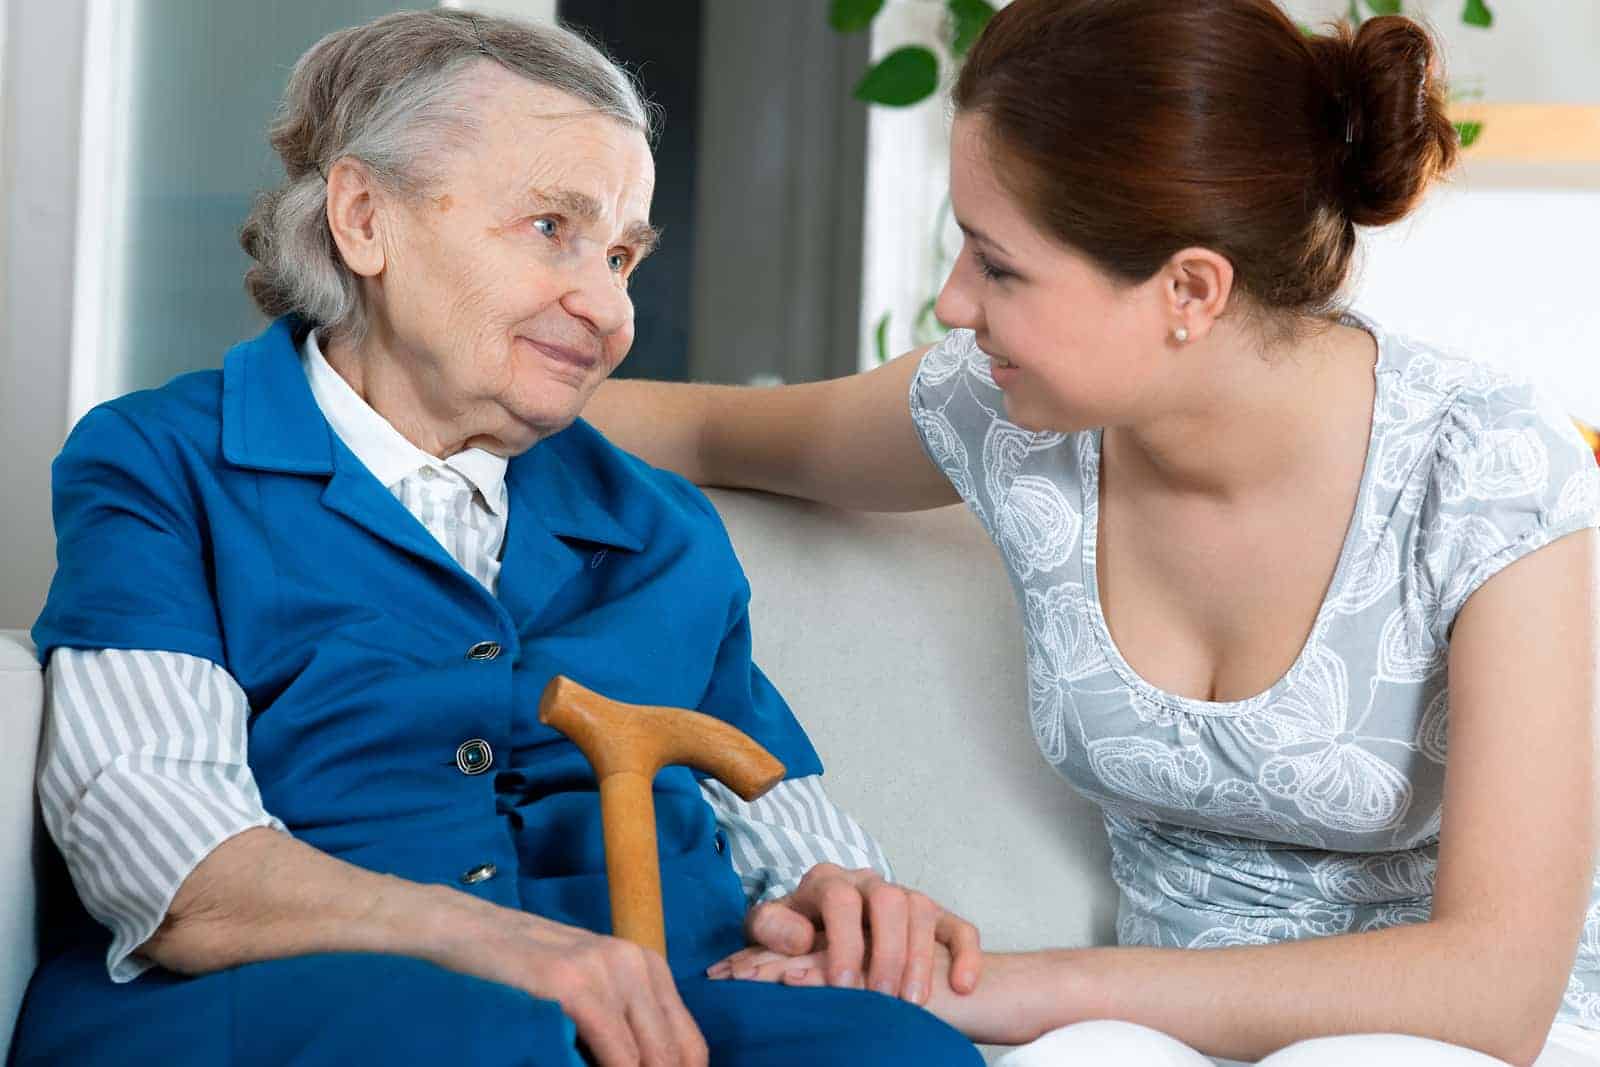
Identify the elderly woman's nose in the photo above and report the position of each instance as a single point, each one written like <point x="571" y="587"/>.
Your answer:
<point x="600" y="299"/>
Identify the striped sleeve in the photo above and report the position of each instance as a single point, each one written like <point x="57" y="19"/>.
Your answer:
<point x="142" y="773"/>
<point x="776" y="839"/>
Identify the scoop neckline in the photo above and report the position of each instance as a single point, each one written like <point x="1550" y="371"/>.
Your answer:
<point x="1090" y="482"/>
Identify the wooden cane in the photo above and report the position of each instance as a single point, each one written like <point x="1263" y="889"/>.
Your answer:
<point x="627" y="744"/>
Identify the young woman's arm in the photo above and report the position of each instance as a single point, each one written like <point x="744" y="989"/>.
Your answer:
<point x="1516" y="858"/>
<point x="849" y="442"/>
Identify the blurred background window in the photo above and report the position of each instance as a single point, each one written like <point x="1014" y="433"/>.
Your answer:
<point x="759" y="182"/>
<point x="804" y="230"/>
<point x="177" y="98"/>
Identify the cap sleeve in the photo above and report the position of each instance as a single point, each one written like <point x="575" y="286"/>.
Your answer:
<point x="957" y="409"/>
<point x="131" y="556"/>
<point x="1511" y="474"/>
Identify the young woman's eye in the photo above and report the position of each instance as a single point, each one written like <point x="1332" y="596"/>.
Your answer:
<point x="546" y="226"/>
<point x="989" y="270"/>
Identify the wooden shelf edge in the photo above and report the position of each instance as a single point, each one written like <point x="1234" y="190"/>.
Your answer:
<point x="1532" y="133"/>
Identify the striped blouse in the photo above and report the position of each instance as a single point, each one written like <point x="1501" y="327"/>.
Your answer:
<point x="143" y="769"/>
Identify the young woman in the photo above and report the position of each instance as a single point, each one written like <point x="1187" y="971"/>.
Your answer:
<point x="1310" y="607"/>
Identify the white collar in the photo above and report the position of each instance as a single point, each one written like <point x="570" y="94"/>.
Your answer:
<point x="380" y="447"/>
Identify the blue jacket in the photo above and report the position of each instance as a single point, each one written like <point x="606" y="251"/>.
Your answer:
<point x="220" y="516"/>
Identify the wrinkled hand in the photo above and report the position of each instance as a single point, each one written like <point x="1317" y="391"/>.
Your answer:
<point x="621" y="997"/>
<point x="865" y="933"/>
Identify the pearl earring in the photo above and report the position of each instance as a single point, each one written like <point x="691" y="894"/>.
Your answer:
<point x="1181" y="334"/>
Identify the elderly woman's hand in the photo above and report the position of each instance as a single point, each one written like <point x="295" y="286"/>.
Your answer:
<point x="621" y="997"/>
<point x="861" y="919"/>
<point x="265" y="895"/>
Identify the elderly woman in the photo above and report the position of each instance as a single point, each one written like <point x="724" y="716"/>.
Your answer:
<point x="306" y="605"/>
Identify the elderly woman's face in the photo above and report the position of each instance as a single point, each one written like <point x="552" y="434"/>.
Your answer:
<point x="506" y="290"/>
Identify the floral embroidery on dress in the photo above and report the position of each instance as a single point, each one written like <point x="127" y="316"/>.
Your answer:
<point x="1312" y="808"/>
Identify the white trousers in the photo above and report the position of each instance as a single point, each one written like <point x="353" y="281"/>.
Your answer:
<point x="1108" y="1043"/>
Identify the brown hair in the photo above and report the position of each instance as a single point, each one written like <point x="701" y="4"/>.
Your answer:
<point x="1131" y="129"/>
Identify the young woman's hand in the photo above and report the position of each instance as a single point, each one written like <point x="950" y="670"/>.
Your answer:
<point x="870" y="934"/>
<point x="1016" y="1004"/>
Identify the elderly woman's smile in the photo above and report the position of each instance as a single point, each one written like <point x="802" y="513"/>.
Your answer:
<point x="497" y="297"/>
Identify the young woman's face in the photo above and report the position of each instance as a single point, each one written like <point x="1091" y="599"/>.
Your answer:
<point x="1071" y="347"/>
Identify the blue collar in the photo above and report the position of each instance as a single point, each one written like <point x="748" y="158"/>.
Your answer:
<point x="271" y="422"/>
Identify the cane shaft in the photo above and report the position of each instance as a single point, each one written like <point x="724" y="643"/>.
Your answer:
<point x="633" y="867"/>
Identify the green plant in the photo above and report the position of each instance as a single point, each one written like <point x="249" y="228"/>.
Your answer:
<point x="911" y="74"/>
<point x="907" y="76"/>
<point x="1476" y="12"/>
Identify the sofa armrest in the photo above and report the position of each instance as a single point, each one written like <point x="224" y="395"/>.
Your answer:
<point x="21" y="709"/>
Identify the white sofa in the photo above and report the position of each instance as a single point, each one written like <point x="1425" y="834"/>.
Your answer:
<point x="897" y="642"/>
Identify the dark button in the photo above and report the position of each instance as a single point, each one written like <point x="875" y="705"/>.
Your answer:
<point x="484" y="650"/>
<point x="481" y="873"/>
<point x="475" y="756"/>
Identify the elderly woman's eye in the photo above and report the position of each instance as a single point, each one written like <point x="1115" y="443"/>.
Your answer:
<point x="545" y="226"/>
<point x="618" y="262"/>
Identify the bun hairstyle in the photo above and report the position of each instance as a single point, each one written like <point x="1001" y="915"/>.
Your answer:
<point x="1131" y="129"/>
<point x="1383" y="81"/>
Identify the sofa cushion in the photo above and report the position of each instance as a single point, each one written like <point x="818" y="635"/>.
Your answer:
<point x="899" y="646"/>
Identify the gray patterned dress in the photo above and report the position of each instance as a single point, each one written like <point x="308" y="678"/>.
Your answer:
<point x="1312" y="808"/>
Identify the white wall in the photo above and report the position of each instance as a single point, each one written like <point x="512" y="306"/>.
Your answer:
<point x="39" y="199"/>
<point x="907" y="177"/>
<point x="1493" y="265"/>
<point x="1496" y="263"/>
<point x="538" y="10"/>
<point x="5" y="170"/>
<point x="1539" y="51"/>
<point x="1501" y="274"/>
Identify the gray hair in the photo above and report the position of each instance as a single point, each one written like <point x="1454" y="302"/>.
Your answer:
<point x="392" y="93"/>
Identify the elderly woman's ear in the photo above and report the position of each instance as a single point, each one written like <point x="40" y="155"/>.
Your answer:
<point x="354" y="218"/>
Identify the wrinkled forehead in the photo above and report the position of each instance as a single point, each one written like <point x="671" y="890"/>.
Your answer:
<point x="537" y="140"/>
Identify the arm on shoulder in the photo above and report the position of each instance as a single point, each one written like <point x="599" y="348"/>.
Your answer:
<point x="849" y="442"/>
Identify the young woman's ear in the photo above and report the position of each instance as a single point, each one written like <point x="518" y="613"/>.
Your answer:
<point x="1195" y="287"/>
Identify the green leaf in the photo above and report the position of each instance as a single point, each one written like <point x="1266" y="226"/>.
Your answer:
<point x="848" y="16"/>
<point x="967" y="19"/>
<point x="1468" y="132"/>
<point x="1352" y="14"/>
<point x="1477" y="13"/>
<point x="900" y="78"/>
<point x="1384" y="7"/>
<point x="1306" y="29"/>
<point x="881" y="339"/>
